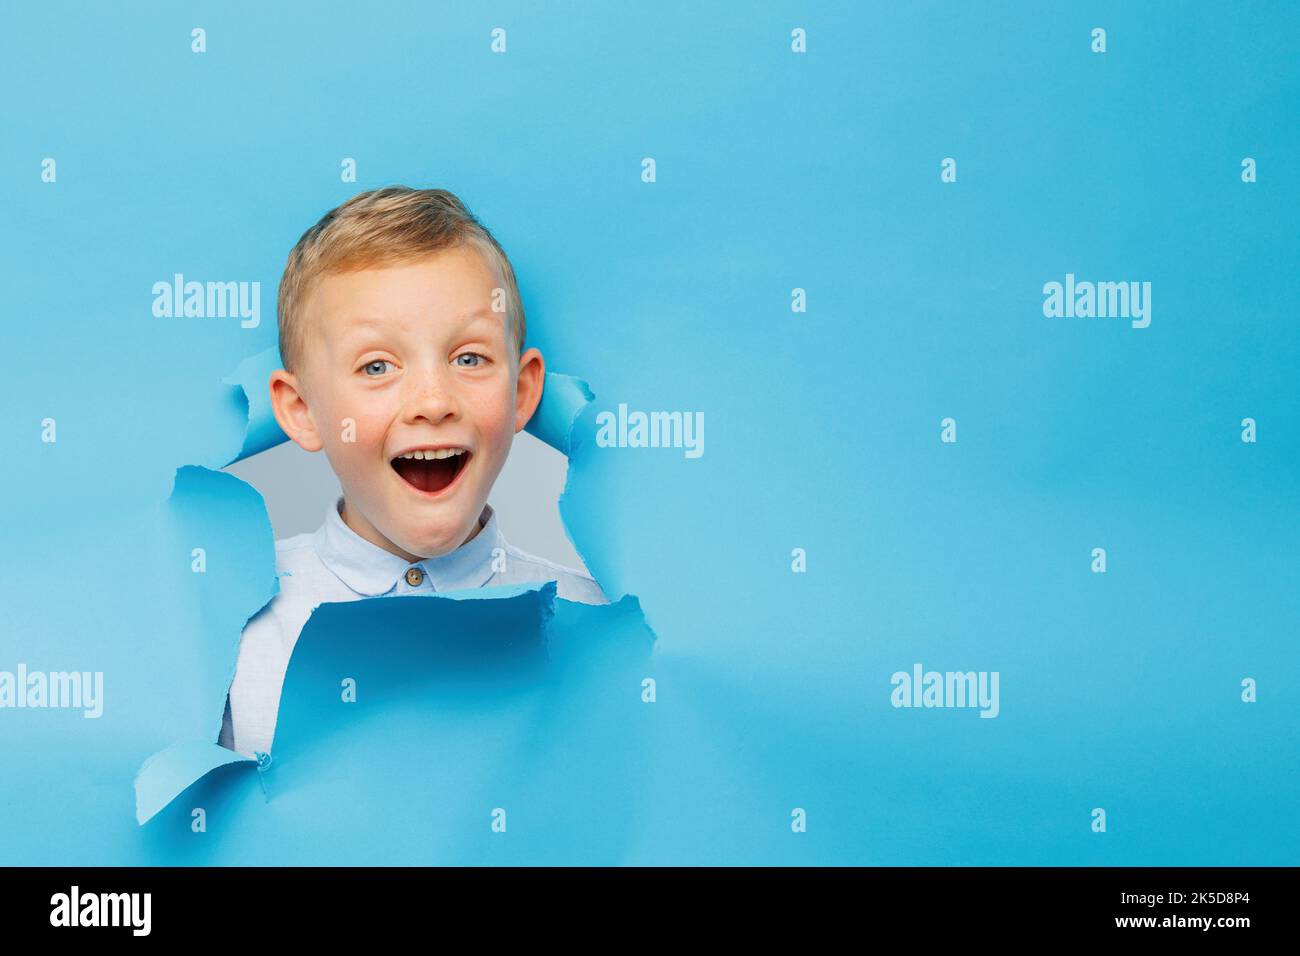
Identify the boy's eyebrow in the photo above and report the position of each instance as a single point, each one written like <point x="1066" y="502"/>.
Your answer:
<point x="482" y="312"/>
<point x="485" y="316"/>
<point x="362" y="322"/>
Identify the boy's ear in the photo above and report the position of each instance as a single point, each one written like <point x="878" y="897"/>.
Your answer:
<point x="291" y="411"/>
<point x="528" y="387"/>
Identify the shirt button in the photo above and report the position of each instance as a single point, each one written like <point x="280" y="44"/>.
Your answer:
<point x="414" y="576"/>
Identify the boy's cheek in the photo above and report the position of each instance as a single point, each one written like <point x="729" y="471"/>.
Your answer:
<point x="494" y="413"/>
<point x="353" y="452"/>
<point x="353" y="425"/>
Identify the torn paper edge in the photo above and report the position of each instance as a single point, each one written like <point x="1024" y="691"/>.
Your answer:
<point x="169" y="772"/>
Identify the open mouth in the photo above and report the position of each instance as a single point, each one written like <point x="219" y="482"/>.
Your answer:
<point x="431" y="470"/>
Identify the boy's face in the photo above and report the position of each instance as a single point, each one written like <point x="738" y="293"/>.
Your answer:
<point x="404" y="358"/>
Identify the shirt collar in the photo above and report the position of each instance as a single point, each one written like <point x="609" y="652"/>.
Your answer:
<point x="370" y="570"/>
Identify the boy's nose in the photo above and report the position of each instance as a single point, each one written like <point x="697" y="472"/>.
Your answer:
<point x="429" y="397"/>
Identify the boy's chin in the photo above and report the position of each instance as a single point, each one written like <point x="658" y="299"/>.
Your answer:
<point x="428" y="543"/>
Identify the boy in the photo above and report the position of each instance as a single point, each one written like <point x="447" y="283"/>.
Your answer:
<point x="401" y="334"/>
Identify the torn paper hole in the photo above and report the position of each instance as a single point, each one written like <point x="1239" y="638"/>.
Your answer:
<point x="170" y="772"/>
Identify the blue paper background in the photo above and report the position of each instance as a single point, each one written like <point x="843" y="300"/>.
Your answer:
<point x="775" y="171"/>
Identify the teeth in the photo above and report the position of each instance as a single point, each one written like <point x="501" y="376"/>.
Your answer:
<point x="432" y="454"/>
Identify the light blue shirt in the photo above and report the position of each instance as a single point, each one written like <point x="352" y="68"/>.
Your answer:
<point x="334" y="563"/>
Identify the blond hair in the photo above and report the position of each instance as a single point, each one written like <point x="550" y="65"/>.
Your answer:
<point x="382" y="227"/>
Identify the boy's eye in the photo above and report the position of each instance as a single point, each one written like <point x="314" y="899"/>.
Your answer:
<point x="473" y="359"/>
<point x="376" y="367"/>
